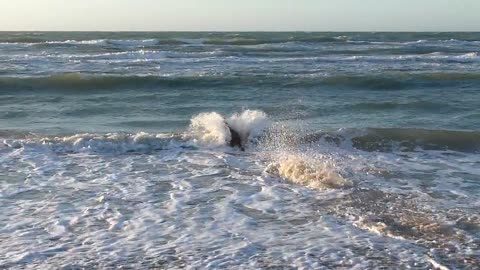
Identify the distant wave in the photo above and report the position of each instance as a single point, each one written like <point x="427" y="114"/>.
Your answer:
<point x="262" y="44"/>
<point x="74" y="82"/>
<point x="215" y="38"/>
<point x="78" y="42"/>
<point x="391" y="105"/>
<point x="389" y="81"/>
<point x="95" y="42"/>
<point x="259" y="41"/>
<point x="22" y="40"/>
<point x="173" y="41"/>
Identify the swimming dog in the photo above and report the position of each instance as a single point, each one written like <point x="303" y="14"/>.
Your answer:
<point x="236" y="139"/>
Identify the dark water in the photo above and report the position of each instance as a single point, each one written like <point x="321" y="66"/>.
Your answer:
<point x="101" y="129"/>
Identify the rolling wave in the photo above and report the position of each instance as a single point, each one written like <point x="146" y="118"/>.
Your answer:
<point x="389" y="81"/>
<point x="74" y="82"/>
<point x="115" y="143"/>
<point x="408" y="139"/>
<point x="392" y="105"/>
<point x="402" y="139"/>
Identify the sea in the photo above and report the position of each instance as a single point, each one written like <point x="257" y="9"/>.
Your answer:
<point x="361" y="150"/>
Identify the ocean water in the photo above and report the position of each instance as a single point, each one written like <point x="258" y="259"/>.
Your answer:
<point x="362" y="150"/>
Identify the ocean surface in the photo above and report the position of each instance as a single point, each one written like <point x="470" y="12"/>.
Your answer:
<point x="362" y="150"/>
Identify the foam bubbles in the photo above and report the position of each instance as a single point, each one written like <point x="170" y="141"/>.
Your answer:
<point x="308" y="171"/>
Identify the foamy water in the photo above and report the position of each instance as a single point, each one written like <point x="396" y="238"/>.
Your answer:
<point x="361" y="150"/>
<point x="175" y="201"/>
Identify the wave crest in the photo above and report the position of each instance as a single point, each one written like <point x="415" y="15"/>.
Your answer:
<point x="115" y="143"/>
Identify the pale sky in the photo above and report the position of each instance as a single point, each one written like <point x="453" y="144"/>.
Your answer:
<point x="243" y="15"/>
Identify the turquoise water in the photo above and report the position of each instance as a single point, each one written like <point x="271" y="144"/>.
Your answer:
<point x="363" y="150"/>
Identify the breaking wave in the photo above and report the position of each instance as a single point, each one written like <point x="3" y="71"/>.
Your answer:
<point x="252" y="126"/>
<point x="79" y="42"/>
<point x="113" y="143"/>
<point x="205" y="129"/>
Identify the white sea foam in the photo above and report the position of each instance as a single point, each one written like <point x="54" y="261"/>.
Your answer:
<point x="100" y="143"/>
<point x="80" y="42"/>
<point x="471" y="55"/>
<point x="104" y="42"/>
<point x="307" y="170"/>
<point x="92" y="209"/>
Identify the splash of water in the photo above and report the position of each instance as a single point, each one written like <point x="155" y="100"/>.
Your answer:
<point x="298" y="160"/>
<point x="210" y="128"/>
<point x="213" y="128"/>
<point x="249" y="123"/>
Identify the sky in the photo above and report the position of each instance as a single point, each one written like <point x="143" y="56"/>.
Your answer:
<point x="243" y="15"/>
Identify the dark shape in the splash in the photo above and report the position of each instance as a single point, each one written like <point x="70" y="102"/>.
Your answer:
<point x="236" y="139"/>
